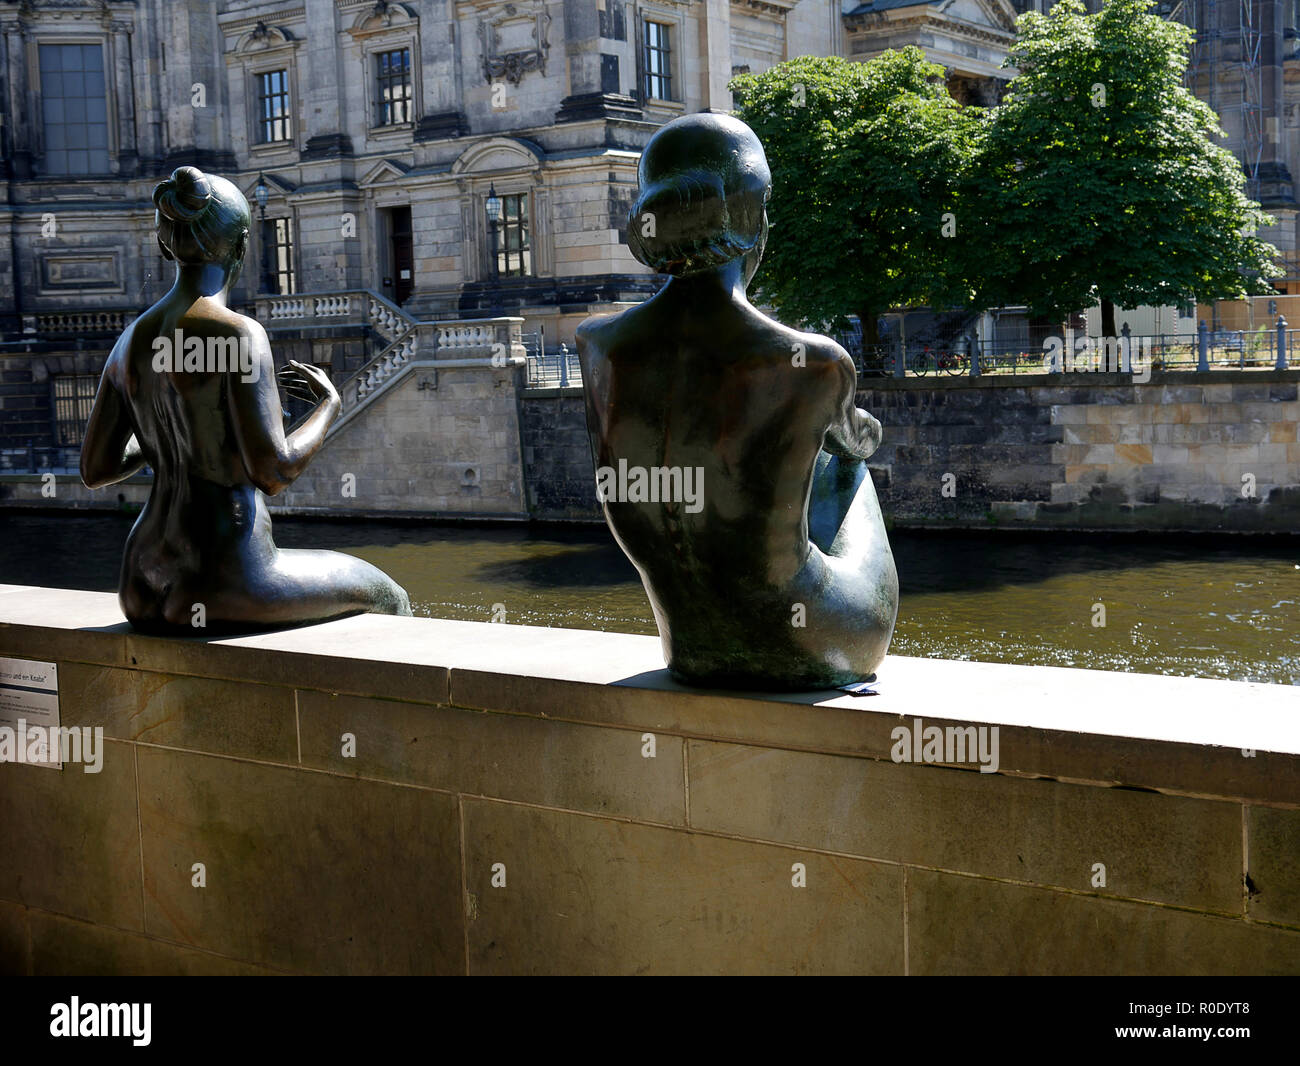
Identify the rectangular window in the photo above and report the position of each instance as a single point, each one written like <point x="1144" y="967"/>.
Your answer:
<point x="74" y="394"/>
<point x="514" y="256"/>
<point x="74" y="109"/>
<point x="658" y="61"/>
<point x="278" y="235"/>
<point x="273" y="106"/>
<point x="393" y="71"/>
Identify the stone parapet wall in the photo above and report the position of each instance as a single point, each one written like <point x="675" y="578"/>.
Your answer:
<point x="382" y="795"/>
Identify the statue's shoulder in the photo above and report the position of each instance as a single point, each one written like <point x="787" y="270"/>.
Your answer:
<point x="816" y="349"/>
<point x="233" y="324"/>
<point x="596" y="332"/>
<point x="597" y="324"/>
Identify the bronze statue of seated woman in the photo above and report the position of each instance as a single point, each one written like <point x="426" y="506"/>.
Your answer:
<point x="190" y="390"/>
<point x="729" y="448"/>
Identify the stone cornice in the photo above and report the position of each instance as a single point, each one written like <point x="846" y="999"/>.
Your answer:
<point x="242" y="23"/>
<point x="862" y="25"/>
<point x="774" y="8"/>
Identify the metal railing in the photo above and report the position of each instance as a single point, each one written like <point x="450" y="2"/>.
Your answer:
<point x="41" y="459"/>
<point x="554" y="368"/>
<point x="1202" y="350"/>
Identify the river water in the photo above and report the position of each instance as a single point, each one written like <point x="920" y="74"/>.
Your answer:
<point x="1226" y="609"/>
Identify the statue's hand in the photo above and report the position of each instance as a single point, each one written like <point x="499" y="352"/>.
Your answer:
<point x="872" y="431"/>
<point x="308" y="383"/>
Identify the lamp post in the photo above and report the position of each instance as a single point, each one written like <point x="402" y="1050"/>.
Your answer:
<point x="262" y="193"/>
<point x="493" y="207"/>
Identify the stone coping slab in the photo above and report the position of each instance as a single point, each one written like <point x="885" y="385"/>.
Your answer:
<point x="1219" y="739"/>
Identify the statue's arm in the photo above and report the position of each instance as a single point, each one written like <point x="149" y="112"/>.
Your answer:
<point x="853" y="432"/>
<point x="272" y="460"/>
<point x="109" y="452"/>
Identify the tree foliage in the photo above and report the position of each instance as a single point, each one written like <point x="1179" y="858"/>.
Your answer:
<point x="865" y="162"/>
<point x="1098" y="178"/>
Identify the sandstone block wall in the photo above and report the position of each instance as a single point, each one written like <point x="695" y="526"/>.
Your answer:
<point x="519" y="800"/>
<point x="1211" y="451"/>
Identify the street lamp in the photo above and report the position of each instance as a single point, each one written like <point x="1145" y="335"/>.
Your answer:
<point x="262" y="194"/>
<point x="493" y="208"/>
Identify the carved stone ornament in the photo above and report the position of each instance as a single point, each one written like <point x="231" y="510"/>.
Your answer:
<point x="514" y="43"/>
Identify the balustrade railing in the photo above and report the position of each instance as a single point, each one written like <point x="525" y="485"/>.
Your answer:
<point x="77" y="323"/>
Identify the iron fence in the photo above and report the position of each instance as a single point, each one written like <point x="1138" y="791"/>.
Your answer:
<point x="550" y="368"/>
<point x="1264" y="348"/>
<point x="41" y="459"/>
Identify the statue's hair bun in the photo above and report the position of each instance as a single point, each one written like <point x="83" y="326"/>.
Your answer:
<point x="704" y="185"/>
<point x="184" y="196"/>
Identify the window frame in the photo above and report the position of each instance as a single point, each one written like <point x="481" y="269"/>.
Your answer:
<point x="393" y="40"/>
<point x="378" y="79"/>
<point x="81" y="399"/>
<point x="259" y="99"/>
<point x="525" y="226"/>
<point x="649" y="78"/>
<point x="37" y="120"/>
<point x="272" y="224"/>
<point x="281" y="59"/>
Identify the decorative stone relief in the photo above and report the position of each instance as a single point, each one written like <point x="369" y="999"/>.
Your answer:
<point x="515" y="42"/>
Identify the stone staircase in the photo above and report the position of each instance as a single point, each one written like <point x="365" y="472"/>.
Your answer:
<point x="409" y="342"/>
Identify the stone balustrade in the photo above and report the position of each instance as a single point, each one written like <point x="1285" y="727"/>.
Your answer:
<point x="79" y="323"/>
<point x="287" y="307"/>
<point x="387" y="319"/>
<point x="357" y="307"/>
<point x="335" y="306"/>
<point x="484" y="338"/>
<point x="384" y="366"/>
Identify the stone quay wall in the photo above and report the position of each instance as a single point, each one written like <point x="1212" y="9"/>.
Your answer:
<point x="395" y="795"/>
<point x="1214" y="451"/>
<point x="561" y="472"/>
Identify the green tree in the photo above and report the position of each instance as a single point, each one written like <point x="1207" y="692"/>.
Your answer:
<point x="865" y="159"/>
<point x="1098" y="178"/>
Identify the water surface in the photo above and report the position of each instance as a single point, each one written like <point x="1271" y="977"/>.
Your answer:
<point x="1228" y="609"/>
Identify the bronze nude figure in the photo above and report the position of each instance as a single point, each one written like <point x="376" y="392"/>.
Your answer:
<point x="190" y="390"/>
<point x="729" y="448"/>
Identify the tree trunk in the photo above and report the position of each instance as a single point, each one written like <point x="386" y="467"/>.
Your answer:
<point x="1108" y="319"/>
<point x="870" y="327"/>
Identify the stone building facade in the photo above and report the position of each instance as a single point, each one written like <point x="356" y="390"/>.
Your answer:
<point x="381" y="132"/>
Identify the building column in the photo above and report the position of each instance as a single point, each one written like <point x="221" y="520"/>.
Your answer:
<point x="326" y="138"/>
<point x="1276" y="188"/>
<point x="122" y="64"/>
<point x="20" y="135"/>
<point x="715" y="56"/>
<point x="440" y="75"/>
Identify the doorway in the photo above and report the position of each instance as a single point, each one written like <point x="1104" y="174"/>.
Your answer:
<point x="401" y="254"/>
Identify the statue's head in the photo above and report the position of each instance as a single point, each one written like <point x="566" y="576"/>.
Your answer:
<point x="704" y="189"/>
<point x="202" y="218"/>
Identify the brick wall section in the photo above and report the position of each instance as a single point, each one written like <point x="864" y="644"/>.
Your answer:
<point x="442" y="441"/>
<point x="1192" y="445"/>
